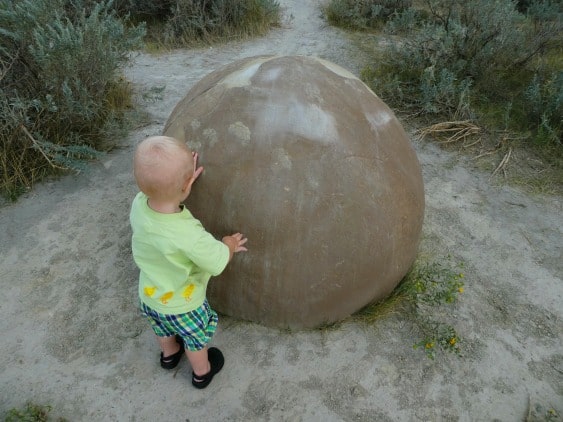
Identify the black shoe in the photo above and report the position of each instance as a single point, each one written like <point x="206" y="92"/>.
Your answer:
<point x="170" y="362"/>
<point x="216" y="361"/>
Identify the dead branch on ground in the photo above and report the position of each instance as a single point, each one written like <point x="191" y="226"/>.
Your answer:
<point x="503" y="163"/>
<point x="452" y="132"/>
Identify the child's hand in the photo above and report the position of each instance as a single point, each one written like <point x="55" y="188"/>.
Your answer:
<point x="194" y="177"/>
<point x="235" y="242"/>
<point x="197" y="170"/>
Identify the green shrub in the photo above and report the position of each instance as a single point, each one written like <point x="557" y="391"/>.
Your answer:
<point x="532" y="6"/>
<point x="145" y="8"/>
<point x="60" y="73"/>
<point x="459" y="45"/>
<point x="542" y="106"/>
<point x="363" y="14"/>
<point x="405" y="21"/>
<point x="191" y="21"/>
<point x="122" y="8"/>
<point x="185" y="22"/>
<point x="458" y="59"/>
<point x="541" y="100"/>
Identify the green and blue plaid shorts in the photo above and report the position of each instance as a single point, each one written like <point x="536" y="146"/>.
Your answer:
<point x="196" y="327"/>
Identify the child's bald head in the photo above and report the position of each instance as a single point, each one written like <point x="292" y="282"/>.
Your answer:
<point x="162" y="165"/>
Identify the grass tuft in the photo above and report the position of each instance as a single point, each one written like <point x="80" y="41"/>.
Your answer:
<point x="31" y="413"/>
<point x="426" y="289"/>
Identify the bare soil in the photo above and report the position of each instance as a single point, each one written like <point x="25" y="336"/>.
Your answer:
<point x="72" y="337"/>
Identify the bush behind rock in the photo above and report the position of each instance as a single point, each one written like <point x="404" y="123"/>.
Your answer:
<point x="363" y="14"/>
<point x="460" y="59"/>
<point x="193" y="20"/>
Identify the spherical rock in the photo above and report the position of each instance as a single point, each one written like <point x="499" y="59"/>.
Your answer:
<point x="306" y="161"/>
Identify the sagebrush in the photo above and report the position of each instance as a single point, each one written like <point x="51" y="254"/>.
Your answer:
<point x="59" y="63"/>
<point x="459" y="59"/>
<point x="363" y="14"/>
<point x="179" y="23"/>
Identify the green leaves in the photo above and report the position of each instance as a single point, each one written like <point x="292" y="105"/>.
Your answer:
<point x="427" y="287"/>
<point x="364" y="14"/>
<point x="59" y="64"/>
<point x="434" y="283"/>
<point x="196" y="20"/>
<point x="424" y="296"/>
<point x="460" y="59"/>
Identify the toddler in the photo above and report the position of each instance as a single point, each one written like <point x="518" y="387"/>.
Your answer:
<point x="176" y="257"/>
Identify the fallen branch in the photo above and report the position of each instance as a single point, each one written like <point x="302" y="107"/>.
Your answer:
<point x="472" y="143"/>
<point x="450" y="132"/>
<point x="503" y="162"/>
<point x="38" y="147"/>
<point x="484" y="154"/>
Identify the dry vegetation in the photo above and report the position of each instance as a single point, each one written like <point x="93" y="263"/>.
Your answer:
<point x="483" y="77"/>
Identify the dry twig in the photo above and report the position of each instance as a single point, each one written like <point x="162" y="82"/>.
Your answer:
<point x="503" y="163"/>
<point x="36" y="145"/>
<point x="450" y="132"/>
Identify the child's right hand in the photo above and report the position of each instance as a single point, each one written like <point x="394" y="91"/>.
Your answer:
<point x="235" y="242"/>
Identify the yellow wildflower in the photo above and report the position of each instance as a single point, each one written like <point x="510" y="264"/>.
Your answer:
<point x="429" y="345"/>
<point x="460" y="289"/>
<point x="453" y="341"/>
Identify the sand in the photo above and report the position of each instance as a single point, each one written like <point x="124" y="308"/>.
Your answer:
<point x="72" y="337"/>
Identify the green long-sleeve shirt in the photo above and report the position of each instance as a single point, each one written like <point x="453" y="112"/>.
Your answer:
<point x="176" y="257"/>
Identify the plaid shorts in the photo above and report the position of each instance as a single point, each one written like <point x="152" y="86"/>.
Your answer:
<point x="196" y="327"/>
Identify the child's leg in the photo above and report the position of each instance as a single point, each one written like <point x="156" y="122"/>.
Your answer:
<point x="199" y="361"/>
<point x="215" y="361"/>
<point x="168" y="345"/>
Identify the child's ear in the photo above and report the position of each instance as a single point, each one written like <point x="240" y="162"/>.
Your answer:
<point x="194" y="177"/>
<point x="187" y="185"/>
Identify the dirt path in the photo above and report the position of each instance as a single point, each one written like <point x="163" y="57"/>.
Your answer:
<point x="72" y="337"/>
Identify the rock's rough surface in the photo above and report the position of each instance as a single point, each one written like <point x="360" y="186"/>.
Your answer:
<point x="316" y="170"/>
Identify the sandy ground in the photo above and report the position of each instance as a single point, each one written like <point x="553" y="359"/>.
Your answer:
<point x="72" y="338"/>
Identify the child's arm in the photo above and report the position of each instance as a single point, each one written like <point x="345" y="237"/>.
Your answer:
<point x="235" y="242"/>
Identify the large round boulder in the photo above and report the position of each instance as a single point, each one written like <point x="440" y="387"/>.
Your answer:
<point x="306" y="161"/>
